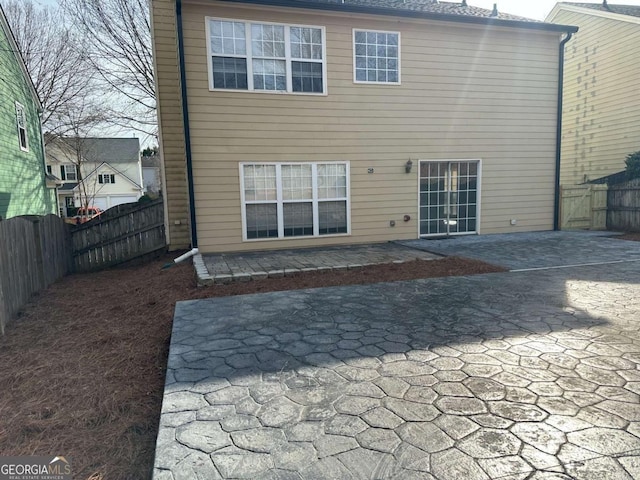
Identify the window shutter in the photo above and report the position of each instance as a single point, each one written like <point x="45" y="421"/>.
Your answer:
<point x="77" y="169"/>
<point x="49" y="169"/>
<point x="113" y="179"/>
<point x="100" y="179"/>
<point x="63" y="174"/>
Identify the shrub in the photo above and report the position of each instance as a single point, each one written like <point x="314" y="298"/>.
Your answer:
<point x="145" y="199"/>
<point x="633" y="165"/>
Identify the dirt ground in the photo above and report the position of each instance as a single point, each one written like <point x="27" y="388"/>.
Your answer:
<point x="83" y="365"/>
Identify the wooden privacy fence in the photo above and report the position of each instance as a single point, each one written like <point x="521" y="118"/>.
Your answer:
<point x="121" y="234"/>
<point x="34" y="253"/>
<point x="583" y="207"/>
<point x="623" y="212"/>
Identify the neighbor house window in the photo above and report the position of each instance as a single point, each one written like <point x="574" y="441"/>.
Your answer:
<point x="21" y="121"/>
<point x="283" y="200"/>
<point x="106" y="178"/>
<point x="376" y="56"/>
<point x="69" y="173"/>
<point x="266" y="57"/>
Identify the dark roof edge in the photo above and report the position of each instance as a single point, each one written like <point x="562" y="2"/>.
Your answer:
<point x="549" y="27"/>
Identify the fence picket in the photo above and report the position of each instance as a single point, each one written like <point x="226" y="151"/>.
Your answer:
<point x="122" y="233"/>
<point x="623" y="206"/>
<point x="34" y="253"/>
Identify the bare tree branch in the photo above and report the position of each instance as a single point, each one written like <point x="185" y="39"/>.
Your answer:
<point x="118" y="37"/>
<point x="53" y="53"/>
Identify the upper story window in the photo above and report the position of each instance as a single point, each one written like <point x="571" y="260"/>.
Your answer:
<point x="266" y="57"/>
<point x="376" y="57"/>
<point x="69" y="173"/>
<point x="21" y="121"/>
<point x="106" y="178"/>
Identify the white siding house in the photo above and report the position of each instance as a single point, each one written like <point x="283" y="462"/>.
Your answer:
<point x="104" y="172"/>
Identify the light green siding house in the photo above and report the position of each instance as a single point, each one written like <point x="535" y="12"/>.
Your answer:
<point x="23" y="182"/>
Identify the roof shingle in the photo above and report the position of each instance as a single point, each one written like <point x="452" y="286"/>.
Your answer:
<point x="631" y="10"/>
<point x="425" y="6"/>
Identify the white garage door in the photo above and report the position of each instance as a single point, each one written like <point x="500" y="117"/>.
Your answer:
<point x="100" y="202"/>
<point x="120" y="199"/>
<point x="107" y="201"/>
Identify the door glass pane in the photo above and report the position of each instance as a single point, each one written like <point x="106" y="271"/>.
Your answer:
<point x="448" y="197"/>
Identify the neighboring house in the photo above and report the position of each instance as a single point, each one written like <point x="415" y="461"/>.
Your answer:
<point x="316" y="122"/>
<point x="151" y="174"/>
<point x="24" y="188"/>
<point x="601" y="121"/>
<point x="105" y="172"/>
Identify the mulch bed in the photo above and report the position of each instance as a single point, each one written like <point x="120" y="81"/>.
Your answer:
<point x="83" y="366"/>
<point x="630" y="236"/>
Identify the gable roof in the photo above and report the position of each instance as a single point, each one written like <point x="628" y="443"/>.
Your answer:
<point x="95" y="170"/>
<point x="109" y="150"/>
<point x="4" y="25"/>
<point x="427" y="9"/>
<point x="631" y="10"/>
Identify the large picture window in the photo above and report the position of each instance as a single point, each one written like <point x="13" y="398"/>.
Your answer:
<point x="283" y="200"/>
<point x="376" y="57"/>
<point x="266" y="57"/>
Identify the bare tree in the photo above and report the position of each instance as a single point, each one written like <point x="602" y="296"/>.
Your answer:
<point x="83" y="120"/>
<point x="54" y="56"/>
<point x="117" y="34"/>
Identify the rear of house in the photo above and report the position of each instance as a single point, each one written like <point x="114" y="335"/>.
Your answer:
<point x="322" y="123"/>
<point x="23" y="185"/>
<point x="601" y="123"/>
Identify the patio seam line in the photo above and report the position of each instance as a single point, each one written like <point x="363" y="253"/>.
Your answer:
<point x="594" y="264"/>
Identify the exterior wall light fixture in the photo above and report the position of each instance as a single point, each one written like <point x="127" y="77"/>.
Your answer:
<point x="408" y="166"/>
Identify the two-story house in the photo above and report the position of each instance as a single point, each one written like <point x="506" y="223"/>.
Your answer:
<point x="100" y="172"/>
<point x="601" y="98"/>
<point x="298" y="123"/>
<point x="24" y="188"/>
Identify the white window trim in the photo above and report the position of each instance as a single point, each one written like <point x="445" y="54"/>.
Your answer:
<point x="107" y="175"/>
<point x="20" y="107"/>
<point x="353" y="46"/>
<point x="249" y="57"/>
<point x="279" y="202"/>
<point x="66" y="174"/>
<point x="479" y="193"/>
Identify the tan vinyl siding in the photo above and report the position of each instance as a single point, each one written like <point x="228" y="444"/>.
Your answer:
<point x="601" y="114"/>
<point x="172" y="147"/>
<point x="467" y="92"/>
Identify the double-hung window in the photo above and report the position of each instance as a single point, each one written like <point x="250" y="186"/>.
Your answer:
<point x="282" y="200"/>
<point x="21" y="121"/>
<point x="376" y="57"/>
<point x="266" y="57"/>
<point x="69" y="173"/>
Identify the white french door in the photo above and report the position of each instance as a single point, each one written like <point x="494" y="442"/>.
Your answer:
<point x="449" y="197"/>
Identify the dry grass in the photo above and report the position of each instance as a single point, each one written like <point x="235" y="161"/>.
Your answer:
<point x="83" y="366"/>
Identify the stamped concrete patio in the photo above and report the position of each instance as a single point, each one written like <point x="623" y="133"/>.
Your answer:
<point x="528" y="375"/>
